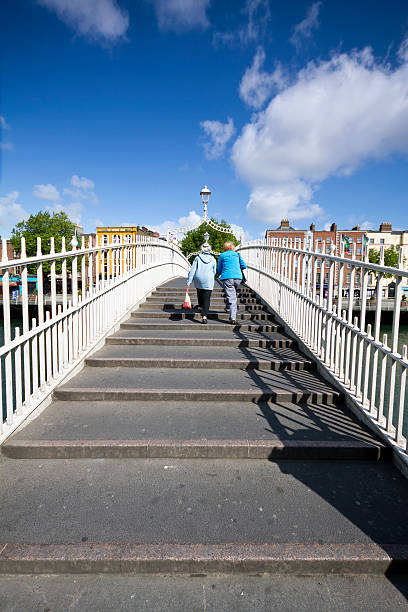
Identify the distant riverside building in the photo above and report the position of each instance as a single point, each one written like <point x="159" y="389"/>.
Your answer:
<point x="332" y="236"/>
<point x="118" y="235"/>
<point x="386" y="237"/>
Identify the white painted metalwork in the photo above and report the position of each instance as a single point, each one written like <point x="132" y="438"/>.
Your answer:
<point x="113" y="277"/>
<point x="369" y="368"/>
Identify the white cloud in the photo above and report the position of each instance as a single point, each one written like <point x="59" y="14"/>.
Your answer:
<point x="83" y="189"/>
<point x="3" y="123"/>
<point x="11" y="212"/>
<point x="256" y="85"/>
<point x="181" y="15"/>
<point x="193" y="220"/>
<point x="334" y="116"/>
<point x="73" y="210"/>
<point x="46" y="192"/>
<point x="97" y="19"/>
<point x="304" y="29"/>
<point x="82" y="182"/>
<point x="257" y="14"/>
<point x="219" y="134"/>
<point x="6" y="146"/>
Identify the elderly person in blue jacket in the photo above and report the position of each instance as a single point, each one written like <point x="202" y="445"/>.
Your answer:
<point x="203" y="273"/>
<point x="229" y="268"/>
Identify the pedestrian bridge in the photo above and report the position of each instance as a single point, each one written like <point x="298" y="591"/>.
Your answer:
<point x="136" y="440"/>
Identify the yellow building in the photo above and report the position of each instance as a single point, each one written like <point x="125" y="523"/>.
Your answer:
<point x="106" y="236"/>
<point x="116" y="235"/>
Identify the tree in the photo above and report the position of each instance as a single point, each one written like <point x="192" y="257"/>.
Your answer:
<point x="390" y="260"/>
<point x="43" y="225"/>
<point x="195" y="238"/>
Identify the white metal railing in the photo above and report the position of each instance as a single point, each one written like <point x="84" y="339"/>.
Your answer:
<point x="106" y="282"/>
<point x="370" y="366"/>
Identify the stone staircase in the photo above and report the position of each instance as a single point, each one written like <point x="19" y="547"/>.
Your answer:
<point x="189" y="449"/>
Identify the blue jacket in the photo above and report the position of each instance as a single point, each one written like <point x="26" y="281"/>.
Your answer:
<point x="203" y="271"/>
<point x="230" y="265"/>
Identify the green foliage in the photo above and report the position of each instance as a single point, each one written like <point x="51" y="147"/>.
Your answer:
<point x="44" y="225"/>
<point x="195" y="238"/>
<point x="390" y="258"/>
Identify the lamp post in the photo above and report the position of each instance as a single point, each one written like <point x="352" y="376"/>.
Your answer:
<point x="205" y="196"/>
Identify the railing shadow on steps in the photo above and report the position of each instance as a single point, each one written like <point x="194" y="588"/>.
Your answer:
<point x="350" y="353"/>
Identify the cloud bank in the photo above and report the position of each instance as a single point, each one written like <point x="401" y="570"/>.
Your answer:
<point x="333" y="117"/>
<point x="219" y="134"/>
<point x="101" y="20"/>
<point x="11" y="212"/>
<point x="256" y="85"/>
<point x="304" y="29"/>
<point x="46" y="192"/>
<point x="181" y="15"/>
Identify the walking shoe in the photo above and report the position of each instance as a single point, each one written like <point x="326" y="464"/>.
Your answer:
<point x="233" y="321"/>
<point x="204" y="321"/>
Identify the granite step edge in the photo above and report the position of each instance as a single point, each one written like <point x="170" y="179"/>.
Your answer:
<point x="298" y="558"/>
<point x="274" y="449"/>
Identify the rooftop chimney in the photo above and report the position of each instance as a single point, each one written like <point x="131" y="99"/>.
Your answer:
<point x="356" y="227"/>
<point x="284" y="224"/>
<point x="385" y="227"/>
<point x="312" y="227"/>
<point x="333" y="227"/>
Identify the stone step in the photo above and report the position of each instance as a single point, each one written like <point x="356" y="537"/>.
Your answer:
<point x="171" y="306"/>
<point x="201" y="592"/>
<point x="155" y="299"/>
<point x="199" y="357"/>
<point x="171" y="338"/>
<point x="233" y="364"/>
<point x="194" y="449"/>
<point x="211" y="515"/>
<point x="182" y="420"/>
<point x="213" y="325"/>
<point x="191" y="384"/>
<point x="175" y="315"/>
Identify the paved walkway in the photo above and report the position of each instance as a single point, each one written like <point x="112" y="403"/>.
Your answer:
<point x="189" y="448"/>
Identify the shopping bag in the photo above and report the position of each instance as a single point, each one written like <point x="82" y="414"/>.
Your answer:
<point x="187" y="301"/>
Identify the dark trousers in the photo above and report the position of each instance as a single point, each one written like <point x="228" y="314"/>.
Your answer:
<point x="203" y="298"/>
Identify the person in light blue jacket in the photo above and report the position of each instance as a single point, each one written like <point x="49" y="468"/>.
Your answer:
<point x="229" y="268"/>
<point x="203" y="273"/>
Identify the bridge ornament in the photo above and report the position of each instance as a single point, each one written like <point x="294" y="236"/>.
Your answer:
<point x="173" y="233"/>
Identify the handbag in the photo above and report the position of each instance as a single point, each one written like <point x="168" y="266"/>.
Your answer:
<point x="187" y="301"/>
<point x="243" y="278"/>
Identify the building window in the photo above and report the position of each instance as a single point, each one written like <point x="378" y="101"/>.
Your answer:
<point x="371" y="240"/>
<point x="359" y="240"/>
<point x="381" y="240"/>
<point x="351" y="239"/>
<point x="348" y="277"/>
<point x="105" y="239"/>
<point x="318" y="239"/>
<point x="127" y="238"/>
<point x="328" y="240"/>
<point x="358" y="279"/>
<point x="326" y="277"/>
<point x="116" y="239"/>
<point x="359" y="251"/>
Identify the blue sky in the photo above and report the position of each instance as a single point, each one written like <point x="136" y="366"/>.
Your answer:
<point x="119" y="111"/>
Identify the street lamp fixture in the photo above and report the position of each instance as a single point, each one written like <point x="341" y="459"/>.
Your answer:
<point x="205" y="196"/>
